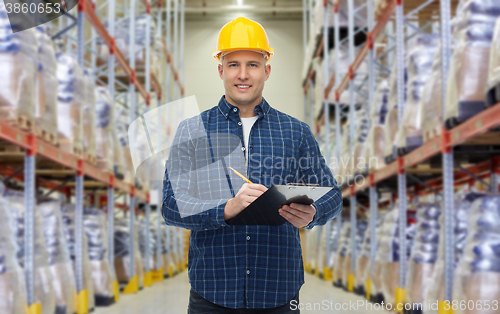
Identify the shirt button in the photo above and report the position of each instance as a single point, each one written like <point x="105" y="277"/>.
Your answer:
<point x="248" y="238"/>
<point x="248" y="272"/>
<point x="243" y="148"/>
<point x="235" y="109"/>
<point x="239" y="123"/>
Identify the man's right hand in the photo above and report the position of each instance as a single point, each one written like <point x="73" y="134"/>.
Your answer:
<point x="246" y="195"/>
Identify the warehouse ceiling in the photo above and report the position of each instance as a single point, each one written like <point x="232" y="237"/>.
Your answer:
<point x="206" y="10"/>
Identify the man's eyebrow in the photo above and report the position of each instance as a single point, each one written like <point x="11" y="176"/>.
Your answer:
<point x="232" y="62"/>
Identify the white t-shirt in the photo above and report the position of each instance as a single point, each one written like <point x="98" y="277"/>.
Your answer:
<point x="247" y="127"/>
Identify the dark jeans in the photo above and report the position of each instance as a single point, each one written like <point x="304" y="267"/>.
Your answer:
<point x="198" y="305"/>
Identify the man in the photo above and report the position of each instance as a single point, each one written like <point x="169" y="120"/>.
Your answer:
<point x="244" y="269"/>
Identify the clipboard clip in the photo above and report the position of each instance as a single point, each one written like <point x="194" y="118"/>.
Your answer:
<point x="290" y="185"/>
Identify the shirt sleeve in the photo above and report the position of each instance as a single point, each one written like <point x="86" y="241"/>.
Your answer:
<point x="183" y="181"/>
<point x="316" y="171"/>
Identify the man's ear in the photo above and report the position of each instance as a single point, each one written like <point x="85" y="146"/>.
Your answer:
<point x="220" y="71"/>
<point x="267" y="71"/>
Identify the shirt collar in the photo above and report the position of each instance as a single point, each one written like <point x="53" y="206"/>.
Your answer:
<point x="227" y="110"/>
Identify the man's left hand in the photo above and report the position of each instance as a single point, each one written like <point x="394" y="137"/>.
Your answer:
<point x="297" y="214"/>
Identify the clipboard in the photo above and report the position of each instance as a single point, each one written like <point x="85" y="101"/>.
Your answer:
<point x="264" y="210"/>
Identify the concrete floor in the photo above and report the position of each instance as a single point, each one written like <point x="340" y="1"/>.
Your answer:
<point x="171" y="296"/>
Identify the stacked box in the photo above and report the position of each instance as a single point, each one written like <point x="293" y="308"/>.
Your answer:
<point x="12" y="281"/>
<point x="469" y="67"/>
<point x="59" y="260"/>
<point x="46" y="87"/>
<point x="19" y="62"/>
<point x="493" y="85"/>
<point x="340" y="256"/>
<point x="376" y="137"/>
<point x="43" y="281"/>
<point x="462" y="206"/>
<point x="361" y="226"/>
<point x="104" y="129"/>
<point x="389" y="252"/>
<point x="89" y="118"/>
<point x="424" y="254"/>
<point x="421" y="50"/>
<point x="70" y="102"/>
<point x="477" y="277"/>
<point x="68" y="214"/>
<point x="122" y="254"/>
<point x="102" y="278"/>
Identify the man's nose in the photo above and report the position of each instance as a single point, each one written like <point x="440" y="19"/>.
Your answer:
<point x="243" y="74"/>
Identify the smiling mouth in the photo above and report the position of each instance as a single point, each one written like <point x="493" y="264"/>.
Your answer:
<point x="243" y="86"/>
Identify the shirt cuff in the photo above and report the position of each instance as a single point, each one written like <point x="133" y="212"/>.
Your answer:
<point x="217" y="214"/>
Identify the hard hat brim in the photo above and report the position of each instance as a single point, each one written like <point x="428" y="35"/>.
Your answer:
<point x="217" y="53"/>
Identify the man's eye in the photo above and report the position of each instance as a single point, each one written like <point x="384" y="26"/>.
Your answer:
<point x="253" y="65"/>
<point x="232" y="65"/>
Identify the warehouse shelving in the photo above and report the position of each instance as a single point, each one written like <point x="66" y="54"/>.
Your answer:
<point x="475" y="131"/>
<point x="60" y="165"/>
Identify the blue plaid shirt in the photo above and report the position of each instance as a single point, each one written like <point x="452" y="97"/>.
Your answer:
<point x="247" y="266"/>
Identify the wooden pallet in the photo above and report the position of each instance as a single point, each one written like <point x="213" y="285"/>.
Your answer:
<point x="47" y="137"/>
<point x="9" y="148"/>
<point x="432" y="133"/>
<point x="68" y="146"/>
<point x="92" y="159"/>
<point x="25" y="123"/>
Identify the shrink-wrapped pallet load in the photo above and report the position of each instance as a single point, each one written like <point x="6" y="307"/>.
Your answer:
<point x="332" y="243"/>
<point x="19" y="63"/>
<point x="89" y="118"/>
<point x="102" y="278"/>
<point x="46" y="87"/>
<point x="165" y="253"/>
<point x="424" y="253"/>
<point x="477" y="277"/>
<point x="362" y="271"/>
<point x="12" y="281"/>
<point x="122" y="40"/>
<point x="375" y="272"/>
<point x="360" y="163"/>
<point x="431" y="108"/>
<point x="391" y="118"/>
<point x="312" y="248"/>
<point x="361" y="226"/>
<point x="120" y="152"/>
<point x="389" y="252"/>
<point x="340" y="256"/>
<point x="121" y="128"/>
<point x="152" y="243"/>
<point x="421" y="51"/>
<point x="43" y="287"/>
<point x="70" y="102"/>
<point x="68" y="214"/>
<point x="104" y="129"/>
<point x="462" y="206"/>
<point x="122" y="253"/>
<point x="493" y="84"/>
<point x="376" y="137"/>
<point x="61" y="269"/>
<point x="470" y="63"/>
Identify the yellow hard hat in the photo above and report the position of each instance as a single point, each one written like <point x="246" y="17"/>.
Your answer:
<point x="243" y="34"/>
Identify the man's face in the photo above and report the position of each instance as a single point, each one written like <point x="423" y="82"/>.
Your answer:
<point x="244" y="74"/>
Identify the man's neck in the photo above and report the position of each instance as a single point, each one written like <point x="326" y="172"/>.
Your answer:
<point x="246" y="111"/>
